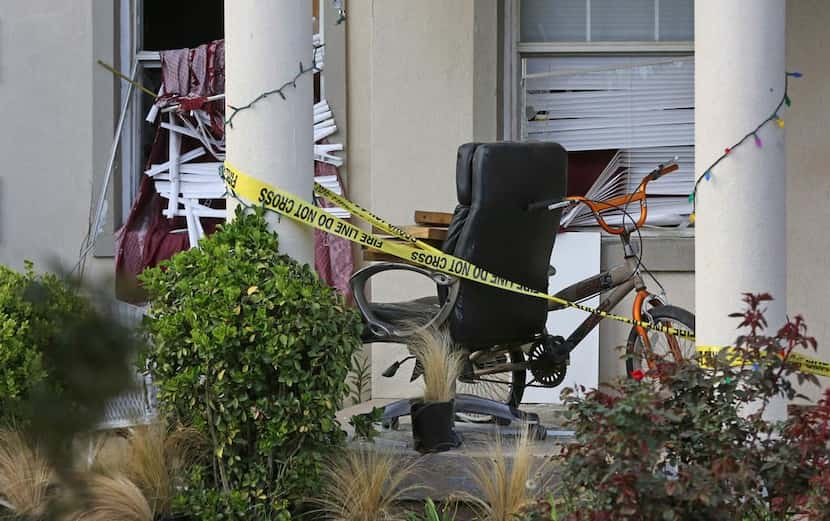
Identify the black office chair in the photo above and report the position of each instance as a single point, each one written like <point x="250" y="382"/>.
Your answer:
<point x="491" y="228"/>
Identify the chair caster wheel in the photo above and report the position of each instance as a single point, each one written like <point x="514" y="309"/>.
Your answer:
<point x="392" y="424"/>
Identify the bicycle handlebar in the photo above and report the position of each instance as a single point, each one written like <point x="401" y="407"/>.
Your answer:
<point x="551" y="204"/>
<point x="662" y="170"/>
<point x="622" y="202"/>
<point x="614" y="203"/>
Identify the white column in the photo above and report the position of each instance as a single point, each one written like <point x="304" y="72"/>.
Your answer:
<point x="265" y="41"/>
<point x="740" y="242"/>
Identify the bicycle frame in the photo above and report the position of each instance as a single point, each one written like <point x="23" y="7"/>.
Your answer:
<point x="619" y="280"/>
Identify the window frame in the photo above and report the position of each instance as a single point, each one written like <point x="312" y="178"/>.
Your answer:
<point x="516" y="53"/>
<point x="131" y="52"/>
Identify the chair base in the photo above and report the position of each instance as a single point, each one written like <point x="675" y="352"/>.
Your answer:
<point x="467" y="403"/>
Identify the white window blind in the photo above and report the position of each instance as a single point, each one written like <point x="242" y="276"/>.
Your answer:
<point x="639" y="105"/>
<point x="606" y="20"/>
<point x="642" y="106"/>
<point x="608" y="102"/>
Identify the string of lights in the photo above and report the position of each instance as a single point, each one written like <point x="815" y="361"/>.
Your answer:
<point x="303" y="70"/>
<point x="707" y="174"/>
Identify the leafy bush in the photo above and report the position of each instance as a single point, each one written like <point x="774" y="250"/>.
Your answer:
<point x="686" y="442"/>
<point x="808" y="434"/>
<point x="542" y="510"/>
<point x="26" y="327"/>
<point x="360" y="377"/>
<point x="63" y="361"/>
<point x="251" y="349"/>
<point x="364" y="424"/>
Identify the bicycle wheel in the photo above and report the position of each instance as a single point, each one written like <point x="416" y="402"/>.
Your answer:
<point x="662" y="345"/>
<point x="506" y="387"/>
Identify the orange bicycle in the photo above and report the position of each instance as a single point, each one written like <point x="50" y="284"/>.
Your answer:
<point x="546" y="360"/>
<point x="643" y="346"/>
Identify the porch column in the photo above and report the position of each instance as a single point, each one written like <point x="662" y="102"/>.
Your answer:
<point x="740" y="223"/>
<point x="265" y="41"/>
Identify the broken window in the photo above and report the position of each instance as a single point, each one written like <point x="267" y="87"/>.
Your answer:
<point x="613" y="82"/>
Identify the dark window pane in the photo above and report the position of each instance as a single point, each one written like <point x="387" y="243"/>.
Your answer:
<point x="181" y="24"/>
<point x="553" y="20"/>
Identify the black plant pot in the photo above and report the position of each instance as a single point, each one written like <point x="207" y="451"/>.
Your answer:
<point x="433" y="426"/>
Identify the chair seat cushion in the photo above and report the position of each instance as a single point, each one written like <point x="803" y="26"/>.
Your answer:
<point x="408" y="314"/>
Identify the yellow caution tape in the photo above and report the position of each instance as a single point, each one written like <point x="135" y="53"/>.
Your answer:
<point x="371" y="218"/>
<point x="295" y="208"/>
<point x="805" y="364"/>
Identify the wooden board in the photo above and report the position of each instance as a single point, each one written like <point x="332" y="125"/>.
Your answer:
<point x="420" y="232"/>
<point x="379" y="256"/>
<point x="432" y="218"/>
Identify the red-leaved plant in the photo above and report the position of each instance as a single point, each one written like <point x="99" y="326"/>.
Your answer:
<point x="688" y="442"/>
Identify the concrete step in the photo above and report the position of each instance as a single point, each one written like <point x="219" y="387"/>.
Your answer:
<point x="446" y="475"/>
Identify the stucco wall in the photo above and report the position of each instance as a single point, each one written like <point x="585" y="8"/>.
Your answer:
<point x="807" y="244"/>
<point x="57" y="109"/>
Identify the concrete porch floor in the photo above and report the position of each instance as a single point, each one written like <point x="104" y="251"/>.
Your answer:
<point x="446" y="475"/>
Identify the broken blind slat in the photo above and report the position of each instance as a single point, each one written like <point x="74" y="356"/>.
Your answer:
<point x="641" y="161"/>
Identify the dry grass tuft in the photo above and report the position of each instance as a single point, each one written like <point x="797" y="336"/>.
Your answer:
<point x="363" y="485"/>
<point x="441" y="361"/>
<point x="154" y="460"/>
<point x="114" y="497"/>
<point x="25" y="476"/>
<point x="505" y="488"/>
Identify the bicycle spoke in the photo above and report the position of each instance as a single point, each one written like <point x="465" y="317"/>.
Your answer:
<point x="653" y="346"/>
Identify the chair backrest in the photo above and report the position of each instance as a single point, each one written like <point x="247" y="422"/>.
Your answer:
<point x="493" y="229"/>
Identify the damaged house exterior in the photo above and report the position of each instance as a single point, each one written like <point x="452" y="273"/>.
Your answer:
<point x="629" y="83"/>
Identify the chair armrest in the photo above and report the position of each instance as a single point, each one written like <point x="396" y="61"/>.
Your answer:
<point x="385" y="331"/>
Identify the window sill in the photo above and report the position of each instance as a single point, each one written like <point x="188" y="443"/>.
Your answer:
<point x="632" y="47"/>
<point x="665" y="249"/>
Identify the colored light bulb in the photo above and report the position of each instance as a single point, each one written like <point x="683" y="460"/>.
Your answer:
<point x="758" y="141"/>
<point x="795" y="74"/>
<point x="726" y="151"/>
<point x="692" y="197"/>
<point x="692" y="218"/>
<point x="787" y="100"/>
<point x="780" y="122"/>
<point x="708" y="175"/>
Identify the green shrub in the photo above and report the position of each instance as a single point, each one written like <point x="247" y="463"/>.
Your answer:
<point x="26" y="327"/>
<point x="253" y="350"/>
